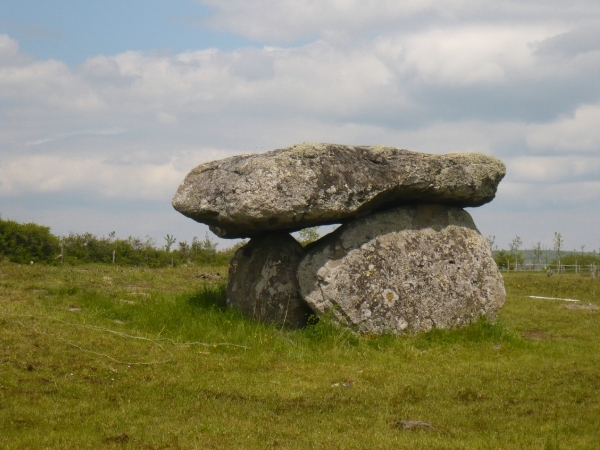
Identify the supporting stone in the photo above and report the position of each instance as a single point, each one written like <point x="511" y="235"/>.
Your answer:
<point x="263" y="284"/>
<point x="407" y="269"/>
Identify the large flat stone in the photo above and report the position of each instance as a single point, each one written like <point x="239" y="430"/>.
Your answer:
<point x="407" y="269"/>
<point x="314" y="184"/>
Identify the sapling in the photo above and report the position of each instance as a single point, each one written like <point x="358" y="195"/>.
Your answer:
<point x="515" y="252"/>
<point x="170" y="241"/>
<point x="537" y="253"/>
<point x="558" y="243"/>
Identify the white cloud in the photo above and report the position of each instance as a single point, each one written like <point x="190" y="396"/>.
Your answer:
<point x="127" y="174"/>
<point x="574" y="42"/>
<point x="541" y="196"/>
<point x="471" y="55"/>
<point x="166" y="118"/>
<point x="100" y="67"/>
<point x="48" y="84"/>
<point x="550" y="169"/>
<point x="60" y="136"/>
<point x="510" y="78"/>
<point x="278" y="21"/>
<point x="287" y="20"/>
<point x="9" y="49"/>
<point x="50" y="174"/>
<point x="386" y="81"/>
<point x="579" y="133"/>
<point x="272" y="96"/>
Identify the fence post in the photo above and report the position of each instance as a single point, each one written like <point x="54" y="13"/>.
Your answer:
<point x="113" y="257"/>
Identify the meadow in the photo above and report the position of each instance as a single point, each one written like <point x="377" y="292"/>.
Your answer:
<point x="100" y="356"/>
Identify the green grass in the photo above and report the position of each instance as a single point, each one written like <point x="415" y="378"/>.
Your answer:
<point x="76" y="373"/>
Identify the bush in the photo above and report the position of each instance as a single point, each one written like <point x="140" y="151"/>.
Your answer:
<point x="578" y="258"/>
<point x="505" y="259"/>
<point x="22" y="243"/>
<point x="87" y="248"/>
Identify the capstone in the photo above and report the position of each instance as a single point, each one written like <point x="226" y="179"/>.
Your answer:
<point x="314" y="184"/>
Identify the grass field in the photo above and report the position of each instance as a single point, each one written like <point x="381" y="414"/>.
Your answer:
<point x="106" y="357"/>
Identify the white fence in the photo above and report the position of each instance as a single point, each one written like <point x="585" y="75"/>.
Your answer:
<point x="592" y="270"/>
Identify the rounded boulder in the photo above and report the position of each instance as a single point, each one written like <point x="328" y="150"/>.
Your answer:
<point x="407" y="269"/>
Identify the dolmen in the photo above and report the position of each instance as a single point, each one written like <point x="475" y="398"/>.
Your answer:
<point x="407" y="257"/>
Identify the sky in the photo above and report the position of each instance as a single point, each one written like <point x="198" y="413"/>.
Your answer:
<point x="105" y="106"/>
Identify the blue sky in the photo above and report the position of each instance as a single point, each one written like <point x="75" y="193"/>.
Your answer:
<point x="106" y="105"/>
<point x="72" y="31"/>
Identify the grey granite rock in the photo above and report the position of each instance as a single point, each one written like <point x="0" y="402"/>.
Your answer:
<point x="408" y="268"/>
<point x="263" y="284"/>
<point x="313" y="184"/>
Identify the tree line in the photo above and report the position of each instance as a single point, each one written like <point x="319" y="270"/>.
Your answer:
<point x="30" y="242"/>
<point x="516" y="256"/>
<point x="26" y="243"/>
